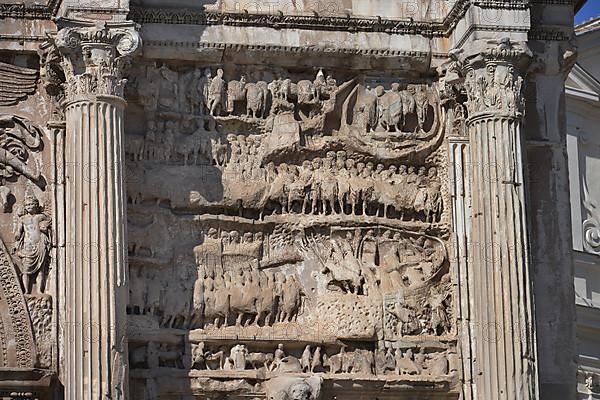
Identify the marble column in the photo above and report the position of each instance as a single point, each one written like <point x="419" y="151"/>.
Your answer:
<point x="95" y="347"/>
<point x="502" y="316"/>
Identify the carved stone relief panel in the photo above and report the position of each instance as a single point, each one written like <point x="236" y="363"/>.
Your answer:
<point x="286" y="224"/>
<point x="27" y="269"/>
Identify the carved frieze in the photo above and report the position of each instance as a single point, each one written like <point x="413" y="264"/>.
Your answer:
<point x="289" y="224"/>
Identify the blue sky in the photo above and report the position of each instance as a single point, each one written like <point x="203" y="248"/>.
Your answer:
<point x="590" y="10"/>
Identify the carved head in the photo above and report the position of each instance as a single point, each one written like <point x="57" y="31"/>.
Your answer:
<point x="234" y="237"/>
<point x="402" y="169"/>
<point x="380" y="167"/>
<point x="31" y="203"/>
<point x="360" y="166"/>
<point x="220" y="73"/>
<point x="422" y="171"/>
<point x="248" y="237"/>
<point x="379" y="91"/>
<point x="393" y="169"/>
<point x="395" y="87"/>
<point x="411" y="170"/>
<point x="212" y="233"/>
<point x="225" y="237"/>
<point x="258" y="237"/>
<point x="432" y="172"/>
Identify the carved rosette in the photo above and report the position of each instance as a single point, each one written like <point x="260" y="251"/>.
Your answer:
<point x="94" y="59"/>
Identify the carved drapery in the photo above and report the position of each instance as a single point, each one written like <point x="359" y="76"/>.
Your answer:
<point x="501" y="326"/>
<point x="93" y="61"/>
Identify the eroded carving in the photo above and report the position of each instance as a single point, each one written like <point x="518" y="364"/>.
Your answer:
<point x="283" y="224"/>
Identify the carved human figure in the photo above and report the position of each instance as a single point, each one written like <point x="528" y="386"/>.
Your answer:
<point x="168" y="97"/>
<point x="422" y="106"/>
<point x="375" y="109"/>
<point x="316" y="363"/>
<point x="305" y="360"/>
<point x="32" y="236"/>
<point x="278" y="355"/>
<point x="216" y="94"/>
<point x="238" y="355"/>
<point x="433" y="204"/>
<point x="198" y="354"/>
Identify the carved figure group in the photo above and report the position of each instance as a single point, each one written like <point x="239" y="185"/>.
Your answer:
<point x="202" y="93"/>
<point x="314" y="359"/>
<point x="407" y="111"/>
<point x="243" y="297"/>
<point x="363" y="264"/>
<point x="406" y="362"/>
<point x="164" y="141"/>
<point x="337" y="184"/>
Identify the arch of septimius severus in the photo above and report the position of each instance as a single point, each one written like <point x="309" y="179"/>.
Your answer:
<point x="358" y="199"/>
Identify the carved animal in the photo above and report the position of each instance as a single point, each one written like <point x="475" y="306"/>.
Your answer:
<point x="405" y="364"/>
<point x="291" y="300"/>
<point x="244" y="297"/>
<point x="335" y="363"/>
<point x="256" y="99"/>
<point x="236" y="92"/>
<point x="219" y="314"/>
<point x="259" y="360"/>
<point x="363" y="362"/>
<point x="265" y="307"/>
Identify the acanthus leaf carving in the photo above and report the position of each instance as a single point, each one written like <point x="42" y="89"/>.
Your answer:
<point x="94" y="59"/>
<point x="493" y="78"/>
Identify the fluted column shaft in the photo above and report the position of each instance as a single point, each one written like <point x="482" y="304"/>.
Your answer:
<point x="500" y="261"/>
<point x="96" y="294"/>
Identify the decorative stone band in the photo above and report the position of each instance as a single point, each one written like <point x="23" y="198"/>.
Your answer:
<point x="93" y="58"/>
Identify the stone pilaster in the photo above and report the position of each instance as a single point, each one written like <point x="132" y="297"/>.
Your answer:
<point x="502" y="317"/>
<point x="95" y="346"/>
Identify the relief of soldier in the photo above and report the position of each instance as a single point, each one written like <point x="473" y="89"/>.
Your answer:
<point x="337" y="185"/>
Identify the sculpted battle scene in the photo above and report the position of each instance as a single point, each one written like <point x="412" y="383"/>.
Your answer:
<point x="287" y="226"/>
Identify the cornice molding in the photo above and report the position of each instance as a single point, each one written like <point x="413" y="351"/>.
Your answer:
<point x="329" y="23"/>
<point x="291" y="49"/>
<point x="22" y="11"/>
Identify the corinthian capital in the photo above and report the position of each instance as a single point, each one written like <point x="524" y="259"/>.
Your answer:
<point x="94" y="57"/>
<point x="493" y="76"/>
